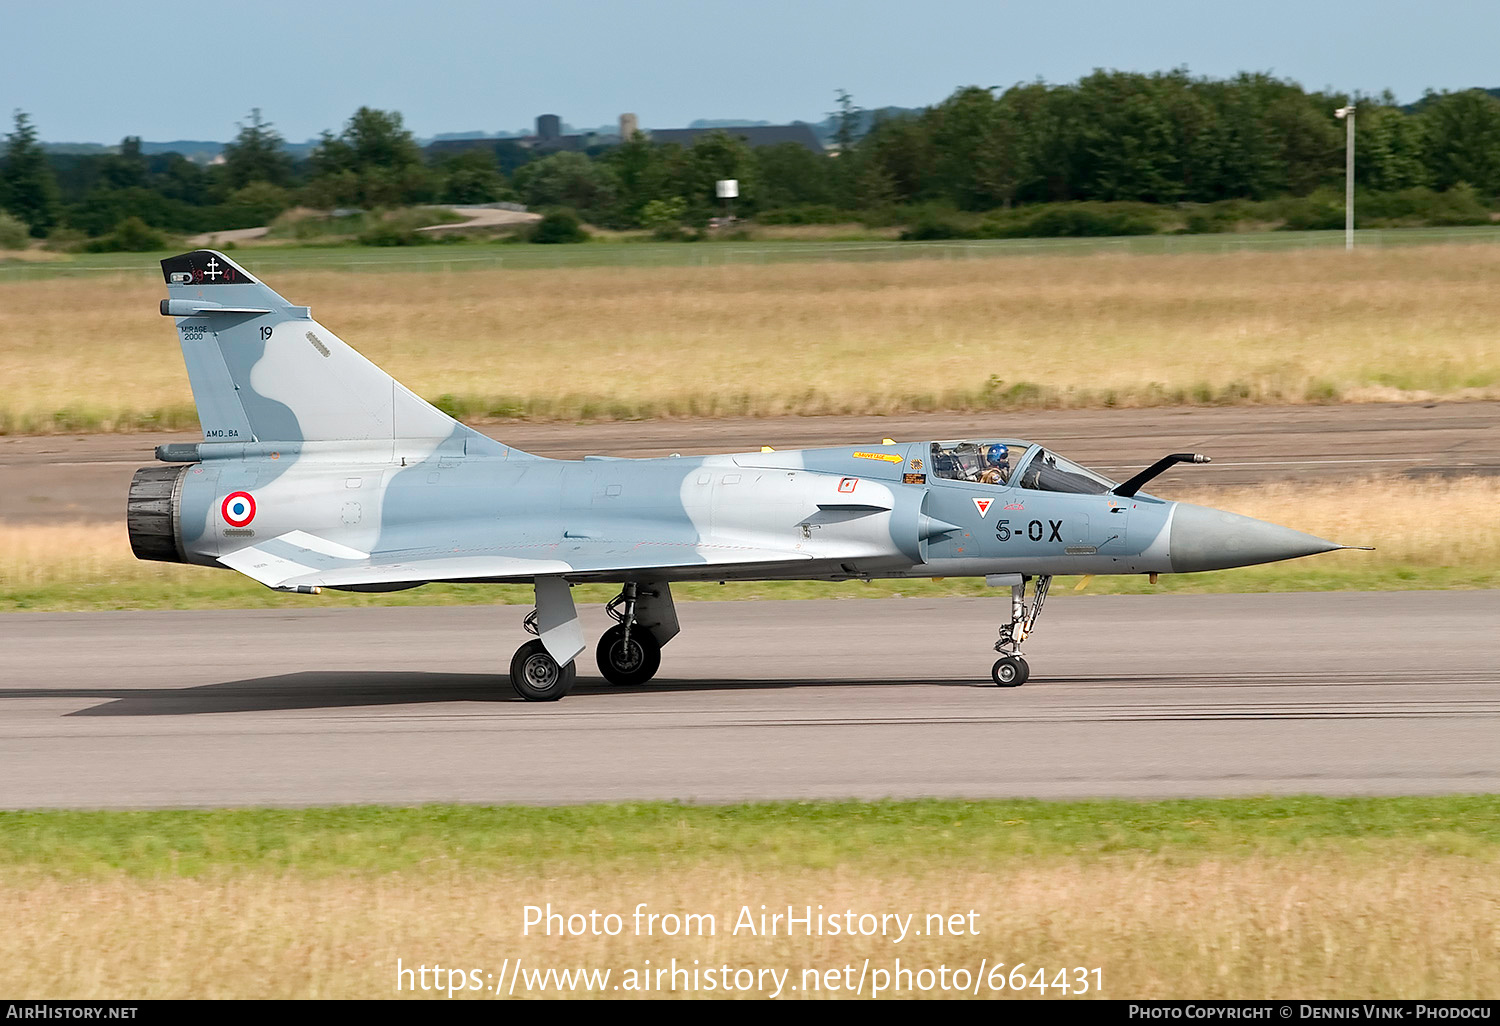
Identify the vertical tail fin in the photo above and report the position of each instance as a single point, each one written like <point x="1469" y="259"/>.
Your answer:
<point x="262" y="370"/>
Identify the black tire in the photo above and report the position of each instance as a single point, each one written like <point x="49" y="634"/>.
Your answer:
<point x="624" y="668"/>
<point x="536" y="676"/>
<point x="1010" y="672"/>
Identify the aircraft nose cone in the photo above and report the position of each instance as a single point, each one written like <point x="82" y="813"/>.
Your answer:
<point x="1204" y="538"/>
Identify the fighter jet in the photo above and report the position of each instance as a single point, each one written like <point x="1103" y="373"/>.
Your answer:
<point x="319" y="470"/>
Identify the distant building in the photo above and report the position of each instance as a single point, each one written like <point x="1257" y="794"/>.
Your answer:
<point x="757" y="135"/>
<point x="549" y="137"/>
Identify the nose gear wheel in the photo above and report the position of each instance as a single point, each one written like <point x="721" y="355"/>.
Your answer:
<point x="1010" y="672"/>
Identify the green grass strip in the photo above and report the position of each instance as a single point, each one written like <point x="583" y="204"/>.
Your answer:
<point x="480" y="255"/>
<point x="902" y="837"/>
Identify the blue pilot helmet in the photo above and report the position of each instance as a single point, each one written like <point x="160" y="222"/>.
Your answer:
<point x="998" y="454"/>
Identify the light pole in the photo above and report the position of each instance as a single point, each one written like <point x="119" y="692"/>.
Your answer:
<point x="1346" y="114"/>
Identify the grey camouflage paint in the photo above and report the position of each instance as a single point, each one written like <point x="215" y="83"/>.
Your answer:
<point x="358" y="483"/>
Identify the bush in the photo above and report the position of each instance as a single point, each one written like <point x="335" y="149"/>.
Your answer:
<point x="66" y="240"/>
<point x="305" y="224"/>
<point x="399" y="227"/>
<point x="1323" y="210"/>
<point x="1226" y="216"/>
<point x="1209" y="222"/>
<point x="807" y="213"/>
<point x="259" y="202"/>
<point x="391" y="233"/>
<point x="557" y="226"/>
<point x="1459" y="205"/>
<point x="1073" y="220"/>
<point x="930" y="226"/>
<point x="893" y="215"/>
<point x="664" y="217"/>
<point x="14" y="233"/>
<point x="131" y="235"/>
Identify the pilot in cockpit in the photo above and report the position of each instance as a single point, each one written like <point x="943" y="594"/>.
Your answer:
<point x="996" y="469"/>
<point x="972" y="461"/>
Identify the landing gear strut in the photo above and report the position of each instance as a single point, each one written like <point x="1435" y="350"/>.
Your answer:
<point x="628" y="654"/>
<point x="544" y="670"/>
<point x="1011" y="669"/>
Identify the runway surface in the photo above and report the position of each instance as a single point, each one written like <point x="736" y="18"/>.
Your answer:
<point x="84" y="478"/>
<point x="1392" y="693"/>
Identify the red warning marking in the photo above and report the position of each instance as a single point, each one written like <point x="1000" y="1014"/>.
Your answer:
<point x="238" y="509"/>
<point x="848" y="483"/>
<point x="983" y="505"/>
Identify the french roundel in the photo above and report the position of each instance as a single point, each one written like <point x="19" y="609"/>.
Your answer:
<point x="238" y="509"/>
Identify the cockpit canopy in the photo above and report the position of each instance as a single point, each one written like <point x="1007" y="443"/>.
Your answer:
<point x="976" y="462"/>
<point x="1013" y="463"/>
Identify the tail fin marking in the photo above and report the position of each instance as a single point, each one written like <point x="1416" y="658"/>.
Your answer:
<point x="263" y="370"/>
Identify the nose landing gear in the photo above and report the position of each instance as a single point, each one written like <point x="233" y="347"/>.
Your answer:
<point x="1011" y="670"/>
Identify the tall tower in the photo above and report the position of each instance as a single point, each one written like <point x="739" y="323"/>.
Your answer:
<point x="548" y="127"/>
<point x="628" y="127"/>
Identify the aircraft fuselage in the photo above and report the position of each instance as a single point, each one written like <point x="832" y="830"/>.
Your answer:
<point x="833" y="513"/>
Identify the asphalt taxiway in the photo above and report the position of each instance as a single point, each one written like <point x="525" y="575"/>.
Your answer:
<point x="1336" y="693"/>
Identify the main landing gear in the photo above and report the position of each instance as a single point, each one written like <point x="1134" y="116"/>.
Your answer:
<point x="537" y="677"/>
<point x="1011" y="669"/>
<point x="545" y="670"/>
<point x="627" y="653"/>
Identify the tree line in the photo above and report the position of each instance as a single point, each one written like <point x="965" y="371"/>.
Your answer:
<point x="1162" y="138"/>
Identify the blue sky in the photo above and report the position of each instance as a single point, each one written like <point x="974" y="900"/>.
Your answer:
<point x="95" y="71"/>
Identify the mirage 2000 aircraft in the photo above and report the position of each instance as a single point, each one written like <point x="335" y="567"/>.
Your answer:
<point x="318" y="470"/>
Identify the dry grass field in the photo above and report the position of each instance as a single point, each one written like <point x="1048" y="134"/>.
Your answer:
<point x="1428" y="534"/>
<point x="833" y="337"/>
<point x="1322" y="927"/>
<point x="1253" y="898"/>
